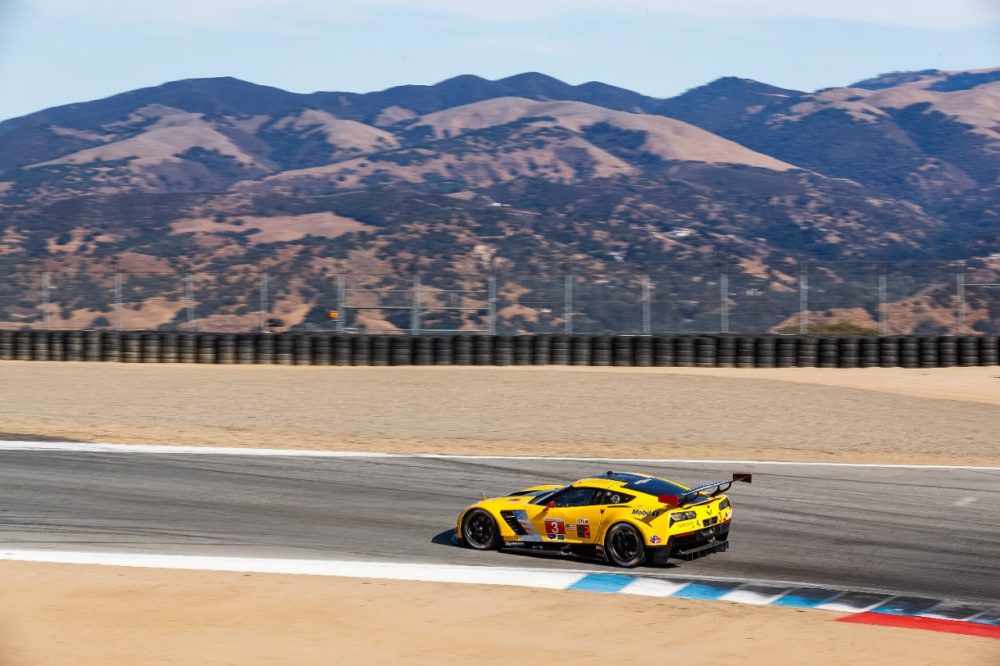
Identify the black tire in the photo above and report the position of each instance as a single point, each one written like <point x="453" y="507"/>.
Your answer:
<point x="623" y="546"/>
<point x="480" y="531"/>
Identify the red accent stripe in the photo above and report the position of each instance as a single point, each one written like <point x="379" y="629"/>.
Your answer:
<point x="928" y="623"/>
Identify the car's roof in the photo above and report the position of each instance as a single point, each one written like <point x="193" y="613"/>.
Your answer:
<point x="624" y="480"/>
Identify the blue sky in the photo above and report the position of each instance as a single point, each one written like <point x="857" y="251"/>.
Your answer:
<point x="62" y="51"/>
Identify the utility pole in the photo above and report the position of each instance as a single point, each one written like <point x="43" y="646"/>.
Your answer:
<point x="415" y="312"/>
<point x="46" y="287"/>
<point x="647" y="304"/>
<point x="341" y="301"/>
<point x="118" y="299"/>
<point x="189" y="300"/>
<point x="803" y="297"/>
<point x="723" y="297"/>
<point x="491" y="303"/>
<point x="264" y="301"/>
<point x="568" y="302"/>
<point x="960" y="296"/>
<point x="883" y="283"/>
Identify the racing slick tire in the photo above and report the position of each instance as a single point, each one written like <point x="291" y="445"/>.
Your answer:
<point x="623" y="546"/>
<point x="480" y="531"/>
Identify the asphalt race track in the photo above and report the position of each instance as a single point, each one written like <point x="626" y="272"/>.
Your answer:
<point x="920" y="531"/>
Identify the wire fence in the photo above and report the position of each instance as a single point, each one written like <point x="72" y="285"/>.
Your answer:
<point x="732" y="297"/>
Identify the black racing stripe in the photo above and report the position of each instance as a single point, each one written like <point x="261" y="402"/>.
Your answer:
<point x="860" y="600"/>
<point x="807" y="597"/>
<point x="989" y="617"/>
<point x="766" y="590"/>
<point x="954" y="611"/>
<point x="906" y="606"/>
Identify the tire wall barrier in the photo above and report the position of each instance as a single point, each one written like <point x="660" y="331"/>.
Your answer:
<point x="661" y="351"/>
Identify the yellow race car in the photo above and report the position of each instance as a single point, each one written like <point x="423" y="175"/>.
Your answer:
<point x="627" y="519"/>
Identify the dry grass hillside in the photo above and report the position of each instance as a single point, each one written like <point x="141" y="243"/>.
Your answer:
<point x="527" y="178"/>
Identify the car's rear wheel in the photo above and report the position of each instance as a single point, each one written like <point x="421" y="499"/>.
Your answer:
<point x="623" y="546"/>
<point x="480" y="531"/>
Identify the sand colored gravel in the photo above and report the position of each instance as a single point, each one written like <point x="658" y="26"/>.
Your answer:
<point x="949" y="416"/>
<point x="105" y="616"/>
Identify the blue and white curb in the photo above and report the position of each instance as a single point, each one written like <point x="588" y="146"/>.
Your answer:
<point x="759" y="593"/>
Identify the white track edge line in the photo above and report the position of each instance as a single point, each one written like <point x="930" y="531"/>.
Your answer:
<point x="85" y="447"/>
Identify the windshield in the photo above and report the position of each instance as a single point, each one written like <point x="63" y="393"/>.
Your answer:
<point x="543" y="495"/>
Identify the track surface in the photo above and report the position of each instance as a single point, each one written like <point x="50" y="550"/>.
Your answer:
<point x="926" y="532"/>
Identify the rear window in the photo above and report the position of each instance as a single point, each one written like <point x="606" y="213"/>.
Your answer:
<point x="655" y="487"/>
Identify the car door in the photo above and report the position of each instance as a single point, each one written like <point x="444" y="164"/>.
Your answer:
<point x="570" y="516"/>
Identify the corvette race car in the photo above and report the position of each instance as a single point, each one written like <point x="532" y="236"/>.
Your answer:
<point x="624" y="518"/>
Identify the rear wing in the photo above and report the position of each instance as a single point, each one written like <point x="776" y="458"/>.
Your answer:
<point x="712" y="489"/>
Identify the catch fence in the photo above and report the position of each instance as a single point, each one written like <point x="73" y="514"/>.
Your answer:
<point x="799" y="297"/>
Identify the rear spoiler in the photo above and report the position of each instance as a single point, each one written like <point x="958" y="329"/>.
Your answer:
<point x="716" y="487"/>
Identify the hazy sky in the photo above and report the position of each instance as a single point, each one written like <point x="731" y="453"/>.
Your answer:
<point x="62" y="51"/>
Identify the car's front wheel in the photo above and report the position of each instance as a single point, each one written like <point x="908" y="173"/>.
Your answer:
<point x="480" y="531"/>
<point x="623" y="546"/>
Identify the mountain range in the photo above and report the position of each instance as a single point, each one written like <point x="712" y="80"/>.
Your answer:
<point x="527" y="178"/>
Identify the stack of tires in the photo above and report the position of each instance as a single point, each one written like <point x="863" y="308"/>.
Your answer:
<point x="642" y="351"/>
<point x="560" y="350"/>
<point x="989" y="350"/>
<point x="503" y="350"/>
<point x="601" y="352"/>
<point x="541" y="349"/>
<point x="663" y="352"/>
<point x="766" y="352"/>
<point x="462" y="350"/>
<point x="786" y="352"/>
<point x="968" y="351"/>
<point x="444" y="351"/>
<point x="685" y="351"/>
<point x="909" y="352"/>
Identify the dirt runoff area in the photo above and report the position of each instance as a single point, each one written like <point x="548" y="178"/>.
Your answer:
<point x="889" y="415"/>
<point x="65" y="614"/>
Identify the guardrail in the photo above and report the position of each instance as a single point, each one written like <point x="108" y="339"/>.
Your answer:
<point x="706" y="351"/>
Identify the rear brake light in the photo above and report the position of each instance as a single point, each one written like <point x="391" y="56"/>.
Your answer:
<point x="724" y="504"/>
<point x="680" y="516"/>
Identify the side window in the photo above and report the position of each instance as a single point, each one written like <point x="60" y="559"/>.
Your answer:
<point x="614" y="497"/>
<point x="575" y="497"/>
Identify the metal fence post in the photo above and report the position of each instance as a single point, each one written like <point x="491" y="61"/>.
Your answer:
<point x="647" y="305"/>
<point x="883" y="323"/>
<point x="803" y="297"/>
<point x="568" y="302"/>
<point x="46" y="286"/>
<point x="118" y="301"/>
<point x="723" y="297"/>
<point x="264" y="301"/>
<point x="415" y="312"/>
<point x="491" y="303"/>
<point x="341" y="301"/>
<point x="960" y="296"/>
<point x="189" y="300"/>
